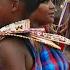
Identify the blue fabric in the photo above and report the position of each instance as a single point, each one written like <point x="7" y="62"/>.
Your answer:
<point x="58" y="59"/>
<point x="66" y="66"/>
<point x="43" y="60"/>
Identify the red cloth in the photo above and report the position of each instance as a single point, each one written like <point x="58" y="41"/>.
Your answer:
<point x="62" y="46"/>
<point x="69" y="65"/>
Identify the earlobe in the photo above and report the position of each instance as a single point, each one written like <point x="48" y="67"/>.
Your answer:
<point x="15" y="4"/>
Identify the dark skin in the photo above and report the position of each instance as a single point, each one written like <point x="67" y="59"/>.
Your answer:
<point x="13" y="52"/>
<point x="14" y="55"/>
<point x="11" y="11"/>
<point x="44" y="16"/>
<point x="45" y="11"/>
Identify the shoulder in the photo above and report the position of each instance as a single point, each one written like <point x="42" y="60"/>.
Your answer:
<point x="10" y="54"/>
<point x="15" y="51"/>
<point x="13" y="43"/>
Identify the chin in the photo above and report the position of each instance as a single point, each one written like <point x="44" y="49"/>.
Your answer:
<point x="51" y="20"/>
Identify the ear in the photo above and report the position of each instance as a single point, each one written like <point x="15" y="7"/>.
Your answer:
<point x="15" y="4"/>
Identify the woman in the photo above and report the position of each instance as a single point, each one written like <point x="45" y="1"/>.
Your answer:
<point x="52" y="59"/>
<point x="14" y="55"/>
<point x="44" y="15"/>
<point x="18" y="51"/>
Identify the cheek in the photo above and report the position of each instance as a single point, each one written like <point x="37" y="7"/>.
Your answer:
<point x="46" y="17"/>
<point x="43" y="15"/>
<point x="3" y="15"/>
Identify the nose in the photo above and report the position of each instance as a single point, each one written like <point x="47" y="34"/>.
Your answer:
<point x="51" y="5"/>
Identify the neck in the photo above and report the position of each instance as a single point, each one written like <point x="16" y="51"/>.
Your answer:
<point x="36" y="24"/>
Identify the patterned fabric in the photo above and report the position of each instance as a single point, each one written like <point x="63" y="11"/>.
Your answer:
<point x="47" y="58"/>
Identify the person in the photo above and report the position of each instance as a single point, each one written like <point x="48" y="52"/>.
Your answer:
<point x="18" y="51"/>
<point x="14" y="55"/>
<point x="44" y="17"/>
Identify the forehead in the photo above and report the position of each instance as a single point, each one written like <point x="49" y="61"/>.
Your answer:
<point x="4" y="2"/>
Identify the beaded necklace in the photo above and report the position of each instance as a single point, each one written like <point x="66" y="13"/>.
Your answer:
<point x="37" y="34"/>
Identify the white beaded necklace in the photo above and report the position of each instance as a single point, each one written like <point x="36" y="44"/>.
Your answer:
<point x="17" y="27"/>
<point x="37" y="34"/>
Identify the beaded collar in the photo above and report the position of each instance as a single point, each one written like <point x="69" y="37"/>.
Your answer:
<point x="37" y="34"/>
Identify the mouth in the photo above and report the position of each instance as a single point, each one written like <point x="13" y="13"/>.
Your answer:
<point x="52" y="14"/>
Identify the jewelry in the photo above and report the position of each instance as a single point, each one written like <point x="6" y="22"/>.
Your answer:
<point x="20" y="26"/>
<point x="24" y="26"/>
<point x="51" y="37"/>
<point x="48" y="42"/>
<point x="37" y="34"/>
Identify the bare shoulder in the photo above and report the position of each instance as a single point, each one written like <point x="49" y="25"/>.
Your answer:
<point x="15" y="53"/>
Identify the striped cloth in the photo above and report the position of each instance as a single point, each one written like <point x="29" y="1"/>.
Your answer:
<point x="47" y="58"/>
